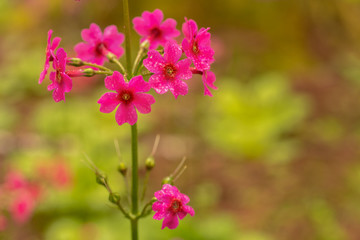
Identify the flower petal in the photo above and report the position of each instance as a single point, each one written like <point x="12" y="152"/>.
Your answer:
<point x="159" y="83"/>
<point x="172" y="52"/>
<point x="154" y="18"/>
<point x="108" y="102"/>
<point x="189" y="28"/>
<point x="61" y="59"/>
<point x="171" y="221"/>
<point x="154" y="62"/>
<point x="115" y="82"/>
<point x="66" y="82"/>
<point x="137" y="84"/>
<point x="159" y="215"/>
<point x="58" y="94"/>
<point x="143" y="101"/>
<point x="178" y="87"/>
<point x="126" y="113"/>
<point x="168" y="27"/>
<point x="184" y="69"/>
<point x="189" y="210"/>
<point x="93" y="34"/>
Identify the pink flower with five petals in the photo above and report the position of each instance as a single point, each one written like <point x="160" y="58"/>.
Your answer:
<point x="196" y="45"/>
<point x="128" y="96"/>
<point x="171" y="205"/>
<point x="98" y="45"/>
<point x="61" y="82"/>
<point x="51" y="46"/>
<point x="151" y="28"/>
<point x="168" y="70"/>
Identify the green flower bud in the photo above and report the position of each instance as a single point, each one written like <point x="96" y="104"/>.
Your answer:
<point x="77" y="62"/>
<point x="168" y="180"/>
<point x="122" y="169"/>
<point x="89" y="72"/>
<point x="114" y="198"/>
<point x="150" y="163"/>
<point x="101" y="179"/>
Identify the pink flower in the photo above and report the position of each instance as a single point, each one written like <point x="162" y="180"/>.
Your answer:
<point x="128" y="95"/>
<point x="61" y="82"/>
<point x="22" y="206"/>
<point x="151" y="28"/>
<point x="14" y="180"/>
<point x="196" y="45"/>
<point x="51" y="46"/>
<point x="171" y="205"/>
<point x="98" y="45"/>
<point x="168" y="70"/>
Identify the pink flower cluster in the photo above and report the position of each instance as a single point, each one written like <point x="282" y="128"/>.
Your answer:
<point x="171" y="206"/>
<point x="19" y="196"/>
<point x="169" y="71"/>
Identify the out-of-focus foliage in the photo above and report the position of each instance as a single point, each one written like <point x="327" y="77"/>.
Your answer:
<point x="255" y="119"/>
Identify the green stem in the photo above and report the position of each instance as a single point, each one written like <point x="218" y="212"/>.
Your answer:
<point x="134" y="182"/>
<point x="127" y="35"/>
<point x="146" y="181"/>
<point x="97" y="66"/>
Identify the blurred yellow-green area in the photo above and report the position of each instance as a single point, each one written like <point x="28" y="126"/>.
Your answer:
<point x="273" y="155"/>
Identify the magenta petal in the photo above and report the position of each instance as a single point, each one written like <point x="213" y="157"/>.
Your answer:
<point x="189" y="210"/>
<point x="43" y="73"/>
<point x="159" y="215"/>
<point x="108" y="102"/>
<point x="171" y="221"/>
<point x="168" y="27"/>
<point x="184" y="69"/>
<point x="159" y="83"/>
<point x="92" y="34"/>
<point x="172" y="52"/>
<point x="181" y="215"/>
<point x="140" y="26"/>
<point x="154" y="62"/>
<point x="83" y="51"/>
<point x="55" y="43"/>
<point x="115" y="82"/>
<point x="210" y="78"/>
<point x="66" y="82"/>
<point x="143" y="101"/>
<point x="189" y="28"/>
<point x="126" y="113"/>
<point x="137" y="84"/>
<point x="154" y="18"/>
<point x="178" y="87"/>
<point x="58" y="94"/>
<point x="61" y="59"/>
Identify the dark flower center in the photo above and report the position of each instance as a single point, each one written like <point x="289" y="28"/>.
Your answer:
<point x="58" y="76"/>
<point x="100" y="47"/>
<point x="155" y="32"/>
<point x="126" y="97"/>
<point x="195" y="48"/>
<point x="176" y="206"/>
<point x="170" y="71"/>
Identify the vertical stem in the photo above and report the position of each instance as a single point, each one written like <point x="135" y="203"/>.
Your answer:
<point x="127" y="36"/>
<point x="134" y="182"/>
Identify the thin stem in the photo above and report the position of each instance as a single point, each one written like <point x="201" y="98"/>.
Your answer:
<point x="104" y="72"/>
<point x="140" y="57"/>
<point x="134" y="176"/>
<point x="96" y="66"/>
<point x="146" y="181"/>
<point x="127" y="35"/>
<point x="144" y="212"/>
<point x="113" y="58"/>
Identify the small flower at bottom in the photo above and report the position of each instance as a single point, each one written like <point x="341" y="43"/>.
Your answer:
<point x="61" y="82"/>
<point x="128" y="95"/>
<point x="171" y="205"/>
<point x="51" y="46"/>
<point x="168" y="70"/>
<point x="98" y="45"/>
<point x="151" y="28"/>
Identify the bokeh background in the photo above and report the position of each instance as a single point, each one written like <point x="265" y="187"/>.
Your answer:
<point x="274" y="155"/>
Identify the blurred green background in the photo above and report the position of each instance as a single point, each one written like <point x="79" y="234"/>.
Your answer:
<point x="274" y="155"/>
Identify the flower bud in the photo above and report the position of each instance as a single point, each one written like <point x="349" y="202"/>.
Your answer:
<point x="77" y="62"/>
<point x="101" y="179"/>
<point x="114" y="198"/>
<point x="122" y="169"/>
<point x="150" y="163"/>
<point x="145" y="44"/>
<point x="168" y="180"/>
<point x="88" y="72"/>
